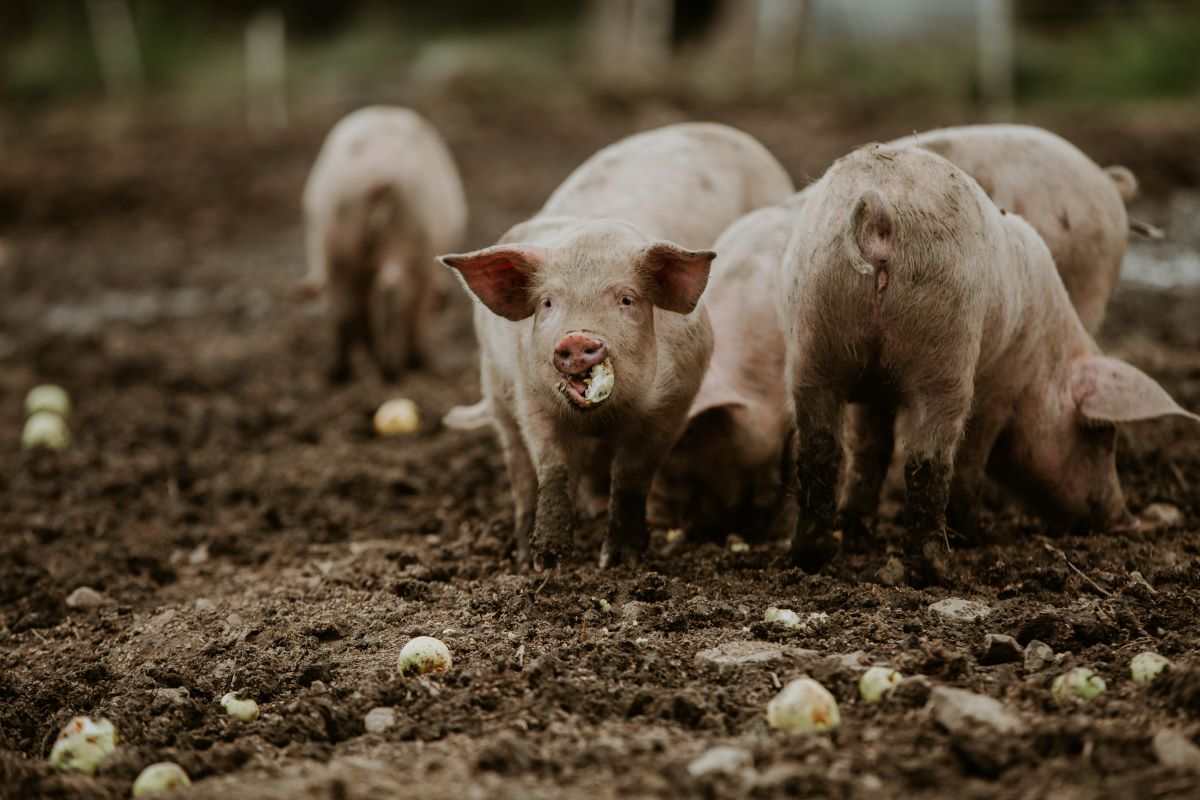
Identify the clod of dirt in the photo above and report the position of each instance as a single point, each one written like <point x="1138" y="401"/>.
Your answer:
<point x="507" y="755"/>
<point x="912" y="691"/>
<point x="1181" y="687"/>
<point x="379" y="719"/>
<point x="1176" y="751"/>
<point x="1067" y="630"/>
<point x="957" y="710"/>
<point x="1000" y="649"/>
<point x="85" y="597"/>
<point x="957" y="609"/>
<point x="1038" y="656"/>
<point x="722" y="760"/>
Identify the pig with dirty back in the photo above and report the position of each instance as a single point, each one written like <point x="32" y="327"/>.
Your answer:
<point x="591" y="331"/>
<point x="383" y="199"/>
<point x="913" y="304"/>
<point x="723" y="475"/>
<point x="1077" y="206"/>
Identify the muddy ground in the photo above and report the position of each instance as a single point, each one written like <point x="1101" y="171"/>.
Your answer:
<point x="247" y="531"/>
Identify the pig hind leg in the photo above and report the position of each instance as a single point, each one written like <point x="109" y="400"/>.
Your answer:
<point x="870" y="438"/>
<point x="933" y="425"/>
<point x="523" y="479"/>
<point x="818" y="458"/>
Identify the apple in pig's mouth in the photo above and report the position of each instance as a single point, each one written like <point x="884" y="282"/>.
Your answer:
<point x="591" y="387"/>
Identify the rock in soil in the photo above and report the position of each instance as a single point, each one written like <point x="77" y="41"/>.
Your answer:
<point x="957" y="710"/>
<point x="1038" y="656"/>
<point x="722" y="759"/>
<point x="957" y="609"/>
<point x="1000" y="649"/>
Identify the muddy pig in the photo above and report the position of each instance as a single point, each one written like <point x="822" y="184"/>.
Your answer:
<point x="720" y="476"/>
<point x="589" y="324"/>
<point x="1077" y="207"/>
<point x="383" y="199"/>
<point x="913" y="304"/>
<point x="724" y="473"/>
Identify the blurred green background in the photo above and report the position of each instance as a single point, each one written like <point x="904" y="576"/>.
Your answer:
<point x="1075" y="52"/>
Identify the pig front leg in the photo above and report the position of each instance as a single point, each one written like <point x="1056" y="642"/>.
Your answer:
<point x="818" y="458"/>
<point x="970" y="467"/>
<point x="870" y="438"/>
<point x="552" y="540"/>
<point x="634" y="463"/>
<point x="352" y="325"/>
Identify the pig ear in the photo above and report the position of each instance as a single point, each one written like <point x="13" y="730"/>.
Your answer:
<point x="1109" y="390"/>
<point x="717" y="391"/>
<point x="680" y="275"/>
<point x="499" y="277"/>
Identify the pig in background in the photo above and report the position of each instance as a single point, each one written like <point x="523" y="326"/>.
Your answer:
<point x="725" y="472"/>
<point x="604" y="277"/>
<point x="383" y="199"/>
<point x="912" y="305"/>
<point x="1076" y="206"/>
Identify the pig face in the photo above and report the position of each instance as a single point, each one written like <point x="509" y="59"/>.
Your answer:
<point x="1070" y="471"/>
<point x="588" y="298"/>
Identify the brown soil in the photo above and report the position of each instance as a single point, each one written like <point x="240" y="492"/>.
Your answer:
<point x="250" y="533"/>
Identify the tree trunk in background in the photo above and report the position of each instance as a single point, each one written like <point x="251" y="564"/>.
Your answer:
<point x="266" y="72"/>
<point x="116" y="47"/>
<point x="995" y="27"/>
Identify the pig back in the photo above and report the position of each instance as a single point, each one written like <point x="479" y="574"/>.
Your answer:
<point x="685" y="183"/>
<point x="1073" y="203"/>
<point x="379" y="146"/>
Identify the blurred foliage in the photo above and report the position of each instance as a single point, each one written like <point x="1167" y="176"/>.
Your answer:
<point x="1066" y="50"/>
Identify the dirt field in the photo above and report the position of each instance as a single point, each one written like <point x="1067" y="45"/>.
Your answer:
<point x="248" y="532"/>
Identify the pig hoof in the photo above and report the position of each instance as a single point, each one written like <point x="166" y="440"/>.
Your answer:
<point x="856" y="534"/>
<point x="811" y="551"/>
<point x="929" y="564"/>
<point x="615" y="554"/>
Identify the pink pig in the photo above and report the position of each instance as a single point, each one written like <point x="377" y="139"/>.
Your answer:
<point x="912" y="304"/>
<point x="724" y="474"/>
<point x="383" y="199"/>
<point x="603" y="283"/>
<point x="1077" y="207"/>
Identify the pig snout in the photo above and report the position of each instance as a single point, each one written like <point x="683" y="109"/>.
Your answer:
<point x="578" y="352"/>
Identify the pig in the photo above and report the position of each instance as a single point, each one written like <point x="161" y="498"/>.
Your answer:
<point x="1076" y="206"/>
<point x="604" y="285"/>
<point x="724" y="473"/>
<point x="726" y="457"/>
<point x="912" y="303"/>
<point x="383" y="199"/>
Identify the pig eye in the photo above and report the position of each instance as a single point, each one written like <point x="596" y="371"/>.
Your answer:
<point x="626" y="300"/>
<point x="545" y="302"/>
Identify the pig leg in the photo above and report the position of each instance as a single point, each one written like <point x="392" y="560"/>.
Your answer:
<point x="523" y="479"/>
<point x="818" y="458"/>
<point x="870" y="438"/>
<point x="554" y="515"/>
<point x="635" y="461"/>
<point x="352" y="325"/>
<point x="970" y="466"/>
<point x="934" y="427"/>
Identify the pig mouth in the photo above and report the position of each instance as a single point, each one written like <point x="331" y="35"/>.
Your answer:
<point x="589" y="388"/>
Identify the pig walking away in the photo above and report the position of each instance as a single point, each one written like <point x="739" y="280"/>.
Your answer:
<point x="724" y="473"/>
<point x="1077" y="207"/>
<point x="592" y="340"/>
<point x="912" y="304"/>
<point x="383" y="199"/>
